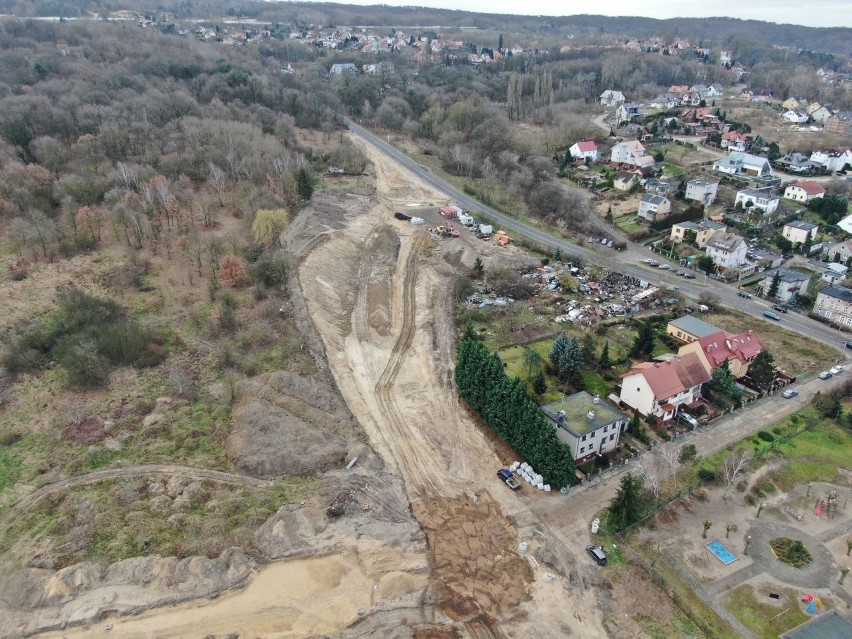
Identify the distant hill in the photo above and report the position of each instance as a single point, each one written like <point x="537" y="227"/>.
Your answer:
<point x="725" y="32"/>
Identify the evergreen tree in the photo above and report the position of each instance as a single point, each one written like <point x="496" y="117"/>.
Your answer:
<point x="539" y="384"/>
<point x="557" y="349"/>
<point x="304" y="184"/>
<point x="557" y="255"/>
<point x="644" y="344"/>
<point x="588" y="349"/>
<point x="723" y="382"/>
<point x="762" y="369"/>
<point x="531" y="360"/>
<point x="604" y="361"/>
<point x="570" y="361"/>
<point x="773" y="287"/>
<point x="624" y="509"/>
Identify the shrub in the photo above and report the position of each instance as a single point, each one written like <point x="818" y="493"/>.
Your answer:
<point x="706" y="475"/>
<point x="777" y="430"/>
<point x="269" y="272"/>
<point x="85" y="367"/>
<point x="767" y="437"/>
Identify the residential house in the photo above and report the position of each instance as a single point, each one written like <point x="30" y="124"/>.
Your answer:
<point x="586" y="150"/>
<point x="625" y="181"/>
<point x="703" y="231"/>
<point x="727" y="250"/>
<point x="665" y="101"/>
<point x="822" y="115"/>
<point x="658" y="187"/>
<point x="743" y="163"/>
<point x="834" y="303"/>
<point x="631" y="153"/>
<point x="797" y="163"/>
<point x="794" y="103"/>
<point x="764" y="259"/>
<point x="678" y="89"/>
<point x="713" y="91"/>
<point x="834" y="272"/>
<point x="688" y="329"/>
<point x="377" y="69"/>
<point x="838" y="252"/>
<point x="726" y="58"/>
<point x="790" y="284"/>
<point x="627" y="111"/>
<point x="838" y="123"/>
<point x="343" y="68"/>
<point x="610" y="98"/>
<point x="798" y="232"/>
<point x="714" y="350"/>
<point x="762" y="199"/>
<point x="661" y="388"/>
<point x="813" y="107"/>
<point x="832" y="160"/>
<point x="796" y="116"/>
<point x="589" y="425"/>
<point x="699" y="88"/>
<point x="804" y="191"/>
<point x="701" y="191"/>
<point x="734" y="141"/>
<point x="654" y="207"/>
<point x="691" y="98"/>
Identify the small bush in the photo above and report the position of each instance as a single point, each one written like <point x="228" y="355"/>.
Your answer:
<point x="767" y="437"/>
<point x="269" y="272"/>
<point x="10" y="437"/>
<point x="706" y="475"/>
<point x="777" y="430"/>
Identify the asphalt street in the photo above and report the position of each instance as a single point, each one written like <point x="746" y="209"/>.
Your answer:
<point x="628" y="262"/>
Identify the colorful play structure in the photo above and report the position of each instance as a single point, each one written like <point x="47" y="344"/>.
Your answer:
<point x="828" y="506"/>
<point x="813" y="603"/>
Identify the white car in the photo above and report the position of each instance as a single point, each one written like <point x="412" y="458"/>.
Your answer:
<point x="836" y="370"/>
<point x="825" y="375"/>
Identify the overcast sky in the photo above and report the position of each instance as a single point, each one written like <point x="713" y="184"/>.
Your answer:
<point x="821" y="13"/>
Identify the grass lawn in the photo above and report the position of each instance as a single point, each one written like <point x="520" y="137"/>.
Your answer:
<point x="766" y="621"/>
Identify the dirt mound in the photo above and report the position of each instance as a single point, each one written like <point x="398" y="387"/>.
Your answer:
<point x="473" y="556"/>
<point x="89" y="430"/>
<point x="285" y="425"/>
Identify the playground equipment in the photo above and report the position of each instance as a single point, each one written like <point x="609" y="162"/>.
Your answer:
<point x="813" y="603"/>
<point x="829" y="505"/>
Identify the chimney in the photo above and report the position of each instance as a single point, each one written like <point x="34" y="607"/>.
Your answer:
<point x="596" y="399"/>
<point x="590" y="415"/>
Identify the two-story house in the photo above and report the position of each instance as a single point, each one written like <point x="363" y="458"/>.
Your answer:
<point x="795" y="116"/>
<point x="831" y="159"/>
<point x="589" y="425"/>
<point x="745" y="163"/>
<point x="762" y="199"/>
<point x="804" y="191"/>
<point x="713" y="350"/>
<point x="688" y="329"/>
<point x="631" y="153"/>
<point x="586" y="150"/>
<point x="701" y="191"/>
<point x="834" y="303"/>
<point x="660" y="388"/>
<point x="838" y="252"/>
<point x="798" y="232"/>
<point x="727" y="250"/>
<point x="703" y="231"/>
<point x="611" y="98"/>
<point x="625" y="180"/>
<point x="627" y="112"/>
<point x="834" y="273"/>
<point x="790" y="284"/>
<point x="734" y="141"/>
<point x="653" y="207"/>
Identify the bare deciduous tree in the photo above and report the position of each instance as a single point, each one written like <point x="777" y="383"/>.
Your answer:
<point x="734" y="466"/>
<point x="648" y="469"/>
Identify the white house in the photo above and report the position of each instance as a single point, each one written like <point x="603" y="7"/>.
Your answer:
<point x="342" y="68"/>
<point x="701" y="191"/>
<point x="831" y="159"/>
<point x="713" y="91"/>
<point x="743" y="163"/>
<point x="758" y="199"/>
<point x="790" y="284"/>
<point x="834" y="273"/>
<point x="631" y="153"/>
<point x="661" y="388"/>
<point x="734" y="141"/>
<point x="839" y="251"/>
<point x="610" y="98"/>
<point x="821" y="115"/>
<point x="589" y="425"/>
<point x="653" y="207"/>
<point x="586" y="150"/>
<point x="626" y="112"/>
<point x="834" y="303"/>
<point x="804" y="191"/>
<point x="798" y="232"/>
<point x="726" y="249"/>
<point x="795" y="115"/>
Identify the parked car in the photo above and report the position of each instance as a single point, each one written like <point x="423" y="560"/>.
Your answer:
<point x="848" y="344"/>
<point x="689" y="419"/>
<point x="598" y="554"/>
<point x="747" y="296"/>
<point x="836" y="370"/>
<point x="780" y="309"/>
<point x="789" y="393"/>
<point x="689" y="276"/>
<point x="825" y="375"/>
<point x="771" y="315"/>
<point x="666" y="267"/>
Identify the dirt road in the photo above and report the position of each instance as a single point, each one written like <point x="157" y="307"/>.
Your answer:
<point x="380" y="297"/>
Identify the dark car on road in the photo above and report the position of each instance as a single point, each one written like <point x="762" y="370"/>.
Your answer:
<point x="780" y="309"/>
<point x="747" y="296"/>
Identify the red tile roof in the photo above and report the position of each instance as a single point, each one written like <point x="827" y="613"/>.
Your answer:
<point x="734" y="135"/>
<point x="810" y="187"/>
<point x="722" y="347"/>
<point x="586" y="146"/>
<point x="672" y="376"/>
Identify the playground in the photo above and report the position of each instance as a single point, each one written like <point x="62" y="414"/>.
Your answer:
<point x="726" y="544"/>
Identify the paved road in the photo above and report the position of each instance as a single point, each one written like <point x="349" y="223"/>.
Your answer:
<point x="627" y="262"/>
